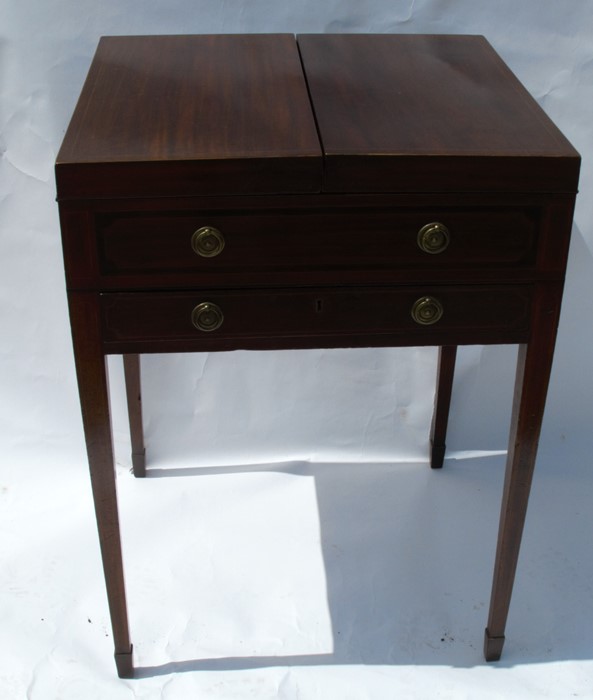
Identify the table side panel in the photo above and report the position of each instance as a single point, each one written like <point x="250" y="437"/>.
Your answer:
<point x="189" y="178"/>
<point x="450" y="173"/>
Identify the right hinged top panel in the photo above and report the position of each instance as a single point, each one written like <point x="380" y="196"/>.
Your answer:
<point x="429" y="113"/>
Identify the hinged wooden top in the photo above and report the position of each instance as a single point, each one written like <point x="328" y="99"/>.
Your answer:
<point x="182" y="115"/>
<point x="422" y="113"/>
<point x="231" y="114"/>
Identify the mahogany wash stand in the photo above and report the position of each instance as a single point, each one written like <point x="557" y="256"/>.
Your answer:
<point x="263" y="192"/>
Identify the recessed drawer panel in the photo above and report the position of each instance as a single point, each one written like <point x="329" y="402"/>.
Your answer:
<point x="502" y="313"/>
<point x="213" y="242"/>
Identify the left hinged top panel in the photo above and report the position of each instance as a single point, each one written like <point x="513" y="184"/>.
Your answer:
<point x="191" y="115"/>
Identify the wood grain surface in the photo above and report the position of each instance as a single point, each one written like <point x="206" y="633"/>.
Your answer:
<point x="195" y="114"/>
<point x="420" y="112"/>
<point x="322" y="224"/>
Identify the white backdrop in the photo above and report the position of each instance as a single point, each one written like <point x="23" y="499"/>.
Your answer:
<point x="346" y="407"/>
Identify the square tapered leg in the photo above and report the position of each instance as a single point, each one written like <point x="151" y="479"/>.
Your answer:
<point x="442" y="403"/>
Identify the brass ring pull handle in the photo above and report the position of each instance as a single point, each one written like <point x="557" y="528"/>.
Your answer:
<point x="207" y="241"/>
<point x="427" y="310"/>
<point x="207" y="317"/>
<point x="433" y="238"/>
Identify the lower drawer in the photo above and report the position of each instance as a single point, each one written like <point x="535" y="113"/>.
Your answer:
<point x="315" y="317"/>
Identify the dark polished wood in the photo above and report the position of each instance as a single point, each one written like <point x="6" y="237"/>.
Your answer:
<point x="442" y="403"/>
<point x="409" y="113"/>
<point x="345" y="318"/>
<point x="531" y="386"/>
<point x="319" y="165"/>
<point x="134" y="401"/>
<point x="220" y="114"/>
<point x="334" y="240"/>
<point x="91" y="371"/>
<point x="146" y="244"/>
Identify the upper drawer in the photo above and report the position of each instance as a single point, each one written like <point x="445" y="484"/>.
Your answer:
<point x="397" y="240"/>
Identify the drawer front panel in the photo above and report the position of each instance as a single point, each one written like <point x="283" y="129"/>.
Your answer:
<point x="212" y="316"/>
<point x="141" y="244"/>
